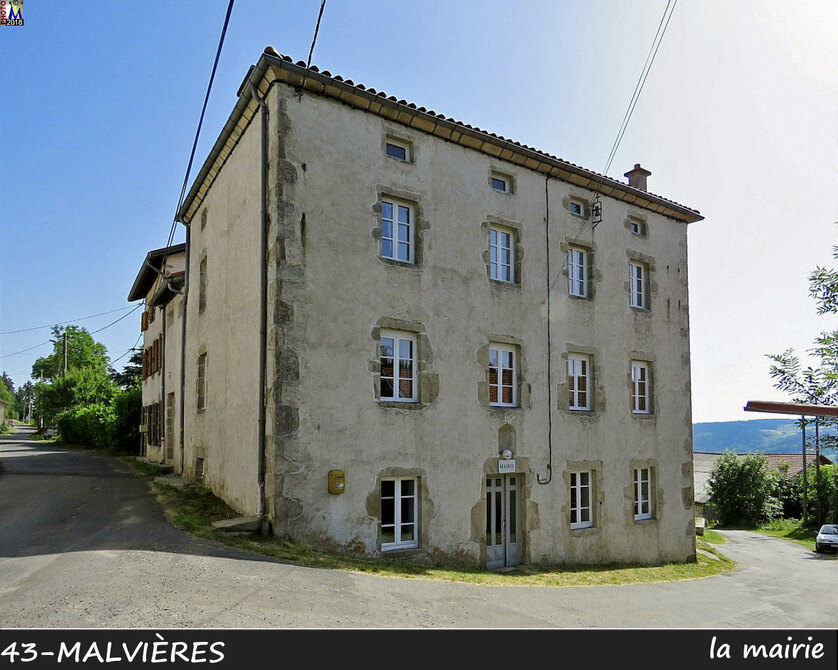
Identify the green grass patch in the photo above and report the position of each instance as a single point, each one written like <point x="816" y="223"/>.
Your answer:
<point x="194" y="508"/>
<point x="713" y="537"/>
<point x="790" y="529"/>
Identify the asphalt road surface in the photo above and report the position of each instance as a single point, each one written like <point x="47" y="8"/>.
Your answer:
<point x="84" y="544"/>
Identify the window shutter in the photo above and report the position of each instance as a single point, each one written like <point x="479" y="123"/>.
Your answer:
<point x="144" y="322"/>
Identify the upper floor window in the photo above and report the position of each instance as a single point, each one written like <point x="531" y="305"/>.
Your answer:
<point x="637" y="226"/>
<point x="577" y="272"/>
<point x="502" y="374"/>
<point x="399" y="513"/>
<point x="640" y="397"/>
<point x="501" y="263"/>
<point x="577" y="207"/>
<point x="398" y="367"/>
<point x="642" y="494"/>
<point x="637" y="285"/>
<point x="397" y="231"/>
<point x="398" y="150"/>
<point x="577" y="381"/>
<point x="580" y="500"/>
<point x="501" y="182"/>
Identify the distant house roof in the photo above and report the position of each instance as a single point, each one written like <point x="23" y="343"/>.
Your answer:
<point x="703" y="463"/>
<point x="275" y="67"/>
<point x="149" y="270"/>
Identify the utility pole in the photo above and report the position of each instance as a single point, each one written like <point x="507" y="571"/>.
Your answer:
<point x="805" y="485"/>
<point x="65" y="353"/>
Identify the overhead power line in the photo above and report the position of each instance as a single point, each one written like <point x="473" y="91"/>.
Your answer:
<point x="62" y="323"/>
<point x="650" y="58"/>
<point x="136" y="307"/>
<point x="197" y="133"/>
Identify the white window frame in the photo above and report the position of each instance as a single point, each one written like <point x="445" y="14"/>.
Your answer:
<point x="399" y="524"/>
<point x="398" y="337"/>
<point x="642" y="504"/>
<point x="498" y="351"/>
<point x="579" y="368"/>
<point x="395" y="226"/>
<point x="401" y="145"/>
<point x="506" y="180"/>
<point x="637" y="227"/>
<point x="497" y="268"/>
<point x="577" y="272"/>
<point x="641" y="399"/>
<point x="637" y="284"/>
<point x="581" y="481"/>
<point x="577" y="207"/>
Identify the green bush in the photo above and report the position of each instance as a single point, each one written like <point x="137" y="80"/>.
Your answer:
<point x="91" y="425"/>
<point x="128" y="407"/>
<point x="741" y="490"/>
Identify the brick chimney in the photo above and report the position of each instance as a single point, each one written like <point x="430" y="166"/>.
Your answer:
<point x="637" y="177"/>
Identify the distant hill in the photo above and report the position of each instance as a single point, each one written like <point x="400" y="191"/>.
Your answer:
<point x="768" y="436"/>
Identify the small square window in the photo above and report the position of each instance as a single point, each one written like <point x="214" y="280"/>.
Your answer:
<point x="637" y="226"/>
<point x="577" y="207"/>
<point x="398" y="150"/>
<point x="501" y="182"/>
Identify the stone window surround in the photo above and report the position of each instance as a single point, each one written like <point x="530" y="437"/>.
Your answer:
<point x="650" y="285"/>
<point x="654" y="493"/>
<point x="649" y="360"/>
<point x="515" y="227"/>
<point x="597" y="496"/>
<point x="522" y="387"/>
<point x="425" y="507"/>
<point x="591" y="276"/>
<point x="596" y="394"/>
<point x="427" y="381"/>
<point x="420" y="225"/>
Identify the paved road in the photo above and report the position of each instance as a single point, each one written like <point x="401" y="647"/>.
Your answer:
<point x="83" y="543"/>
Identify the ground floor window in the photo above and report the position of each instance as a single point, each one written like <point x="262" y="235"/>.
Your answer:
<point x="580" y="500"/>
<point x="399" y="513"/>
<point x="642" y="494"/>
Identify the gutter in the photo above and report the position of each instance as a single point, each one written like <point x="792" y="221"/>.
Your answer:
<point x="299" y="76"/>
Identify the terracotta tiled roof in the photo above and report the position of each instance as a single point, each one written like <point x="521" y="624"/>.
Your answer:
<point x="366" y="98"/>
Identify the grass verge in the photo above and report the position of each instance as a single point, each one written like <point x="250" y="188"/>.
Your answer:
<point x="790" y="529"/>
<point x="194" y="508"/>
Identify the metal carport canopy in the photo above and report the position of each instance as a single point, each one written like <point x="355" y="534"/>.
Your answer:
<point x="799" y="409"/>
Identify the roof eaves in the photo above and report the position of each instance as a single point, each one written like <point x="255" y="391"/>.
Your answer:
<point x="407" y="113"/>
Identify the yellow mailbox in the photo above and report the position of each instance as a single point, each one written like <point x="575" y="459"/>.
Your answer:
<point x="337" y="481"/>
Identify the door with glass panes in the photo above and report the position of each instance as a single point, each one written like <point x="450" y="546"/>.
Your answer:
<point x="503" y="521"/>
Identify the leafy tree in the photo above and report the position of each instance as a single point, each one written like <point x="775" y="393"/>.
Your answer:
<point x="82" y="351"/>
<point x="815" y="384"/>
<point x="7" y="394"/>
<point x="131" y="374"/>
<point x="24" y="395"/>
<point x="742" y="490"/>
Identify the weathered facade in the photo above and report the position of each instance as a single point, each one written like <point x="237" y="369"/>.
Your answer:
<point x="160" y="284"/>
<point x="457" y="347"/>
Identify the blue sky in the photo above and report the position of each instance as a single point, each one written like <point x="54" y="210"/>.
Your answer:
<point x="738" y="118"/>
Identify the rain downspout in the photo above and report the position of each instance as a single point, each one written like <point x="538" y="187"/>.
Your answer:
<point x="185" y="293"/>
<point x="549" y="344"/>
<point x="263" y="300"/>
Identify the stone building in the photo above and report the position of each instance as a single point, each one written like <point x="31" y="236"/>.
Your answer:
<point x="160" y="283"/>
<point x="457" y="347"/>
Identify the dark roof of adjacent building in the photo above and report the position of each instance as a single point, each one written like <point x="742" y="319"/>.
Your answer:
<point x="151" y="269"/>
<point x="359" y="96"/>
